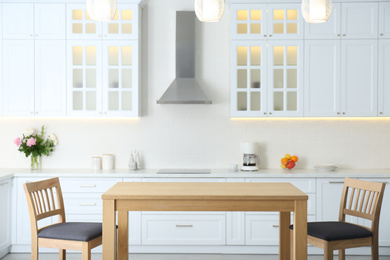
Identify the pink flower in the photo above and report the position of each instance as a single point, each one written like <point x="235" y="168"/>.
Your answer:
<point x="17" y="142"/>
<point x="32" y="141"/>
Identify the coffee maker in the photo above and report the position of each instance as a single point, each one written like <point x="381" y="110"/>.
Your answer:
<point x="250" y="157"/>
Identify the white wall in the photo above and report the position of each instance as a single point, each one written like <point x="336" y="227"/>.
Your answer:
<point x="200" y="136"/>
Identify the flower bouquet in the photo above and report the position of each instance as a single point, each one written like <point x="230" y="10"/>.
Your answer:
<point x="36" y="145"/>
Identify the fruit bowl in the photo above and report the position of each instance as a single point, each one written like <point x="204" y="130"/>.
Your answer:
<point x="289" y="162"/>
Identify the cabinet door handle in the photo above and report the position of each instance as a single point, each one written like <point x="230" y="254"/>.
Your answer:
<point x="36" y="35"/>
<point x="335" y="182"/>
<point x="344" y="34"/>
<point x="270" y="113"/>
<point x="31" y="35"/>
<point x="270" y="35"/>
<point x="87" y="204"/>
<point x="275" y="226"/>
<point x="265" y="35"/>
<point x="381" y="34"/>
<point x="183" y="225"/>
<point x="338" y="34"/>
<point x="4" y="183"/>
<point x="265" y="113"/>
<point x="343" y="113"/>
<point x="88" y="186"/>
<point x="381" y="113"/>
<point x="338" y="113"/>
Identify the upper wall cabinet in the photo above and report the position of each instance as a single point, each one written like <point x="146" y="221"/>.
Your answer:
<point x="262" y="21"/>
<point x="384" y="20"/>
<point x="29" y="21"/>
<point x="124" y="25"/>
<point x="80" y="25"/>
<point x="384" y="78"/>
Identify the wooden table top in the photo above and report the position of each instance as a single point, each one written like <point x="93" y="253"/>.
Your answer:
<point x="203" y="191"/>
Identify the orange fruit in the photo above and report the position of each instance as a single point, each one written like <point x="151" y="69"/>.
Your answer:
<point x="287" y="156"/>
<point x="284" y="161"/>
<point x="283" y="166"/>
<point x="294" y="158"/>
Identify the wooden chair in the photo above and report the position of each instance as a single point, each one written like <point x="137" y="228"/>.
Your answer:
<point x="44" y="199"/>
<point x="361" y="199"/>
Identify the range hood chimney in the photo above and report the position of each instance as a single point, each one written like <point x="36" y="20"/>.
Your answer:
<point x="184" y="89"/>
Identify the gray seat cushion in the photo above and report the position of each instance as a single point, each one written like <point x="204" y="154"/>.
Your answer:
<point x="75" y="231"/>
<point x="334" y="230"/>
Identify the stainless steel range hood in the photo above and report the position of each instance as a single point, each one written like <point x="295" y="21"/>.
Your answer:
<point x="184" y="89"/>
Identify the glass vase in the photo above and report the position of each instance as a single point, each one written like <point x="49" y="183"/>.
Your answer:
<point x="35" y="162"/>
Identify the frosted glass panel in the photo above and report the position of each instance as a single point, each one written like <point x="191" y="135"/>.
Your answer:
<point x="278" y="28"/>
<point x="278" y="56"/>
<point x="292" y="101"/>
<point x="292" y="28"/>
<point x="242" y="15"/>
<point x="90" y="28"/>
<point x="91" y="55"/>
<point x="278" y="101"/>
<point x="127" y="28"/>
<point x="77" y="15"/>
<point x="255" y="56"/>
<point x="77" y="78"/>
<point x="127" y="78"/>
<point x="292" y="55"/>
<point x="77" y="100"/>
<point x="242" y="80"/>
<point x="255" y="78"/>
<point x="113" y="101"/>
<point x="127" y="55"/>
<point x="77" y="28"/>
<point x="242" y="101"/>
<point x="113" y="28"/>
<point x="292" y="78"/>
<point x="91" y="78"/>
<point x="116" y="16"/>
<point x="113" y="78"/>
<point x="255" y="15"/>
<point x="242" y="28"/>
<point x="279" y="15"/>
<point x="90" y="100"/>
<point x="242" y="56"/>
<point x="255" y="28"/>
<point x="113" y="56"/>
<point x="292" y="14"/>
<point x="127" y="15"/>
<point x="278" y="78"/>
<point x="127" y="101"/>
<point x="77" y="55"/>
<point x="255" y="101"/>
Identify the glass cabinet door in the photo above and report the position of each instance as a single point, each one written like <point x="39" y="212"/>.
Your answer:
<point x="285" y="74"/>
<point x="124" y="25"/>
<point x="80" y="25"/>
<point x="249" y="21"/>
<point x="84" y="78"/>
<point x="248" y="79"/>
<point x="120" y="77"/>
<point x="285" y="21"/>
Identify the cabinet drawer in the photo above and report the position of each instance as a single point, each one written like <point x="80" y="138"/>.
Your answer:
<point x="202" y="229"/>
<point x="305" y="185"/>
<point x="83" y="203"/>
<point x="88" y="184"/>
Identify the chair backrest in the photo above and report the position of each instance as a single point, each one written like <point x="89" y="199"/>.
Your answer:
<point x="362" y="199"/>
<point x="44" y="199"/>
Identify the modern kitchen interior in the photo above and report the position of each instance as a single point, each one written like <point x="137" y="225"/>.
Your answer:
<point x="195" y="129"/>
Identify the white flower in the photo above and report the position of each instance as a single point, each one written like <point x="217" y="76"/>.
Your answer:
<point x="28" y="131"/>
<point x="53" y="137"/>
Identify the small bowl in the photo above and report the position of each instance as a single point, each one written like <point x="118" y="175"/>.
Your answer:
<point x="325" y="167"/>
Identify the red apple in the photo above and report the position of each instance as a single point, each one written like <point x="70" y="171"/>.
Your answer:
<point x="290" y="165"/>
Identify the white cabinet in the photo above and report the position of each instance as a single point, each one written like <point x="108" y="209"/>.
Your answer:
<point x="285" y="21"/>
<point x="384" y="20"/>
<point x="5" y="215"/>
<point x="125" y="24"/>
<point x="322" y="78"/>
<point x="29" y="21"/>
<point x="384" y="78"/>
<point x="80" y="26"/>
<point x="359" y="20"/>
<point x="359" y="68"/>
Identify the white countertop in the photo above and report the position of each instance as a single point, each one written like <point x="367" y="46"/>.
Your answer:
<point x="217" y="173"/>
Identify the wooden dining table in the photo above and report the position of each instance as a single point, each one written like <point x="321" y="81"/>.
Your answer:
<point x="170" y="196"/>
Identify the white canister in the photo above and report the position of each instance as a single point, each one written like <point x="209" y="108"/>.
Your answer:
<point x="96" y="163"/>
<point x="108" y="161"/>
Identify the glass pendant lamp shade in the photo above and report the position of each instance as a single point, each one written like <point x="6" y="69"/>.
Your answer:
<point x="316" y="11"/>
<point x="101" y="10"/>
<point x="209" y="10"/>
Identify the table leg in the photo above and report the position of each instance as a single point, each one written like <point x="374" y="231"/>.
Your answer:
<point x="284" y="236"/>
<point x="300" y="230"/>
<point x="123" y="235"/>
<point x="109" y="229"/>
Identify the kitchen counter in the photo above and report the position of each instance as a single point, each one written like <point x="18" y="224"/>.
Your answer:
<point x="218" y="173"/>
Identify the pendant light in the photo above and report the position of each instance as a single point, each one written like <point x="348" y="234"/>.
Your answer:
<point x="209" y="10"/>
<point x="316" y="11"/>
<point x="101" y="10"/>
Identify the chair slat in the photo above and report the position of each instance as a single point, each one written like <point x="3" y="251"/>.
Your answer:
<point x="39" y="210"/>
<point x="351" y="198"/>
<point x="52" y="198"/>
<point x="371" y="202"/>
<point x="362" y="201"/>
<point x="357" y="199"/>
<point x="375" y="203"/>
<point x="47" y="199"/>
<point x="42" y="199"/>
<point x="366" y="202"/>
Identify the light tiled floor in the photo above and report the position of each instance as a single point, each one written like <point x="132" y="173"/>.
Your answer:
<point x="179" y="257"/>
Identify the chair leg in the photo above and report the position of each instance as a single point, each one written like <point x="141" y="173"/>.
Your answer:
<point x="328" y="252"/>
<point x="34" y="251"/>
<point x="342" y="254"/>
<point x="62" y="254"/>
<point x="291" y="245"/>
<point x="86" y="252"/>
<point x="374" y="250"/>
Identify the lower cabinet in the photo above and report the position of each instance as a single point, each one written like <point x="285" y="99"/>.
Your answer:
<point x="5" y="216"/>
